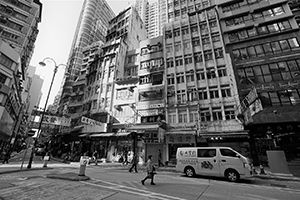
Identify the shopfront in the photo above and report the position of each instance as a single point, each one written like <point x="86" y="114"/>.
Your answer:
<point x="178" y="138"/>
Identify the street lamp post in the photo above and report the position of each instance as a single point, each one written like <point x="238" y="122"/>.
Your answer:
<point x="45" y="107"/>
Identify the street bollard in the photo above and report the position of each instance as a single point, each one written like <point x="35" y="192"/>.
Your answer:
<point x="46" y="160"/>
<point x="83" y="162"/>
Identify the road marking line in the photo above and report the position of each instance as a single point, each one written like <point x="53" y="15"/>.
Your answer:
<point x="149" y="194"/>
<point x="135" y="190"/>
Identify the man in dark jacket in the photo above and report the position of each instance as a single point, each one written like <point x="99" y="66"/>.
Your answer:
<point x="135" y="161"/>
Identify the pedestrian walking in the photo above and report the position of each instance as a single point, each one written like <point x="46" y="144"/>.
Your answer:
<point x="125" y="157"/>
<point x="160" y="163"/>
<point x="6" y="155"/>
<point x="135" y="161"/>
<point x="95" y="157"/>
<point x="150" y="171"/>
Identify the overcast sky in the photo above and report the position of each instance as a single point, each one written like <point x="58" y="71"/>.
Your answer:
<point x="56" y="32"/>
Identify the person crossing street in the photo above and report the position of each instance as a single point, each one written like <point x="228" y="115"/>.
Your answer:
<point x="135" y="161"/>
<point x="150" y="171"/>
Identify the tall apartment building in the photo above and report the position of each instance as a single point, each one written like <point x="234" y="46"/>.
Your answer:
<point x="18" y="31"/>
<point x="262" y="38"/>
<point x="91" y="27"/>
<point x="19" y="27"/>
<point x="202" y="96"/>
<point x="153" y="14"/>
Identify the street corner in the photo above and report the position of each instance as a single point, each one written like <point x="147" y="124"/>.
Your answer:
<point x="68" y="176"/>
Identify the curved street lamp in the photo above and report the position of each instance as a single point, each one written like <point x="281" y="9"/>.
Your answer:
<point x="42" y="63"/>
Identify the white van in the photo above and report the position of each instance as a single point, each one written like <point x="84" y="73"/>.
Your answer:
<point x="213" y="161"/>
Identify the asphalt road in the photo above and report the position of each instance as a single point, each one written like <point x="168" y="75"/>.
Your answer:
<point x="115" y="184"/>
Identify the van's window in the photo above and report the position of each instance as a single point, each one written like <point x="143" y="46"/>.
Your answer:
<point x="228" y="153"/>
<point x="206" y="153"/>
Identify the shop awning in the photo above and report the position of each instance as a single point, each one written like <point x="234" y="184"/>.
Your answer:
<point x="225" y="135"/>
<point x="143" y="127"/>
<point x="109" y="134"/>
<point x="77" y="128"/>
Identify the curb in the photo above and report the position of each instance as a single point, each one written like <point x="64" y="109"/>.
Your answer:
<point x="24" y="170"/>
<point x="280" y="178"/>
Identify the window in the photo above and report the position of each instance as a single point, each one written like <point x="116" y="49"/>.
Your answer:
<point x="172" y="118"/>
<point x="205" y="39"/>
<point x="3" y="78"/>
<point x="206" y="153"/>
<point x="169" y="49"/>
<point x="217" y="114"/>
<point x="293" y="43"/>
<point x="5" y="61"/>
<point x="181" y="96"/>
<point x="178" y="61"/>
<point x="208" y="55"/>
<point x="198" y="57"/>
<point x="214" y="93"/>
<point x="222" y="72"/>
<point x="185" y="30"/>
<point x="225" y="91"/>
<point x="186" y="45"/>
<point x="180" y="77"/>
<point x="200" y="75"/>
<point x="177" y="47"/>
<point x="188" y="59"/>
<point x="229" y="112"/>
<point x="228" y="153"/>
<point x="170" y="79"/>
<point x="219" y="53"/>
<point x="196" y="42"/>
<point x="182" y="117"/>
<point x="176" y="32"/>
<point x="215" y="37"/>
<point x="193" y="116"/>
<point x="211" y="74"/>
<point x="170" y="63"/>
<point x="190" y="77"/>
<point x="202" y="94"/>
<point x="205" y="115"/>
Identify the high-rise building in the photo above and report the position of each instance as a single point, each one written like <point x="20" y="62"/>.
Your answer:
<point x="263" y="40"/>
<point x="91" y="27"/>
<point x="19" y="27"/>
<point x="18" y="32"/>
<point x="154" y="15"/>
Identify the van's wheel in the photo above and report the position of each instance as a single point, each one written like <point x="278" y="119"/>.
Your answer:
<point x="232" y="175"/>
<point x="189" y="171"/>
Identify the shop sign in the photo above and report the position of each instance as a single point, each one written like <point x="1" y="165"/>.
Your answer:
<point x="249" y="99"/>
<point x="180" y="138"/>
<point x="89" y="121"/>
<point x="145" y="113"/>
<point x="55" y="120"/>
<point x="278" y="86"/>
<point x="159" y="105"/>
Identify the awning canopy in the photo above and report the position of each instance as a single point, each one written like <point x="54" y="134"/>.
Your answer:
<point x="143" y="127"/>
<point x="225" y="135"/>
<point x="109" y="134"/>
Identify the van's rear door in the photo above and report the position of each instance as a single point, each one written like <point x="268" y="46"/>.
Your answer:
<point x="207" y="161"/>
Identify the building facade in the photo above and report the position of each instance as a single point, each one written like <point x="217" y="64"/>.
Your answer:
<point x="91" y="27"/>
<point x="262" y="38"/>
<point x="202" y="97"/>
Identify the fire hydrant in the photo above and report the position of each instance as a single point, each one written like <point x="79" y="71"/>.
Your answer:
<point x="262" y="170"/>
